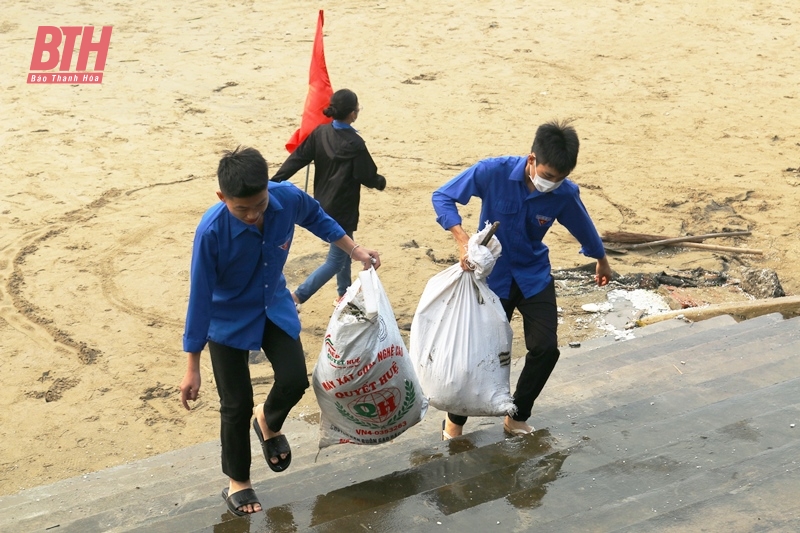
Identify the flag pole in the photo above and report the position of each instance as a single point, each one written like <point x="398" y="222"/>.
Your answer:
<point x="308" y="167"/>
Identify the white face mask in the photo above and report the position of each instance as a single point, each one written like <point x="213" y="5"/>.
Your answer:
<point x="543" y="185"/>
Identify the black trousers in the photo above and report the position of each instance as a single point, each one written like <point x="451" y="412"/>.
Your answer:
<point x="540" y="325"/>
<point x="232" y="375"/>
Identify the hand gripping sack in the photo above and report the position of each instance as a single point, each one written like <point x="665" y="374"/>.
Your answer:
<point x="364" y="381"/>
<point x="461" y="340"/>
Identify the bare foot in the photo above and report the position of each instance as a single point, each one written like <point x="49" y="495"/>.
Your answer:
<point x="266" y="432"/>
<point x="516" y="427"/>
<point x="451" y="430"/>
<point x="236" y="486"/>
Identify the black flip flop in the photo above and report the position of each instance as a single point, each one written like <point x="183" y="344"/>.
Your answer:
<point x="240" y="499"/>
<point x="274" y="447"/>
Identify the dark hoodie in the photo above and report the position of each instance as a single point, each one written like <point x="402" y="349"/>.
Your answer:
<point x="342" y="165"/>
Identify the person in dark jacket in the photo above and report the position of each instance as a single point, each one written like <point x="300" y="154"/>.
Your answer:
<point x="342" y="164"/>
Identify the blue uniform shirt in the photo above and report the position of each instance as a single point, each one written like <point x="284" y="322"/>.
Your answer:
<point x="236" y="279"/>
<point x="524" y="218"/>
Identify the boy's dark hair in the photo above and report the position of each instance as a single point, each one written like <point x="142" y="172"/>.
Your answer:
<point x="343" y="102"/>
<point x="242" y="173"/>
<point x="556" y="144"/>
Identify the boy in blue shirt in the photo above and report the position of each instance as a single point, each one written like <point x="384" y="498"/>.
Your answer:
<point x="526" y="195"/>
<point x="238" y="301"/>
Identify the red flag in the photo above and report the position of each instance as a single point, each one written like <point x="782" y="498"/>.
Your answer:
<point x="319" y="92"/>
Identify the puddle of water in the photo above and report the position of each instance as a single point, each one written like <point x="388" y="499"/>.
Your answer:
<point x="457" y="463"/>
<point x="523" y="485"/>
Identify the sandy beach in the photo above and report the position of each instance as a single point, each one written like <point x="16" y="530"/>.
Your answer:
<point x="688" y="116"/>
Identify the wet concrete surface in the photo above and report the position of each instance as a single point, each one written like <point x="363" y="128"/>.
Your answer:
<point x="690" y="428"/>
<point x="457" y="475"/>
<point x="705" y="446"/>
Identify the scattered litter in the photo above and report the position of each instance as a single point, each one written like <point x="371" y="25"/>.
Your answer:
<point x="598" y="308"/>
<point x="641" y="299"/>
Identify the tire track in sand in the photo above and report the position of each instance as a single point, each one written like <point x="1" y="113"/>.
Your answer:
<point x="31" y="319"/>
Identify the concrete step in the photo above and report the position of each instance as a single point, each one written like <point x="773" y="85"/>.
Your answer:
<point x="584" y="480"/>
<point x="523" y="495"/>
<point x="163" y="487"/>
<point x="676" y="338"/>
<point x="608" y="403"/>
<point x="678" y="351"/>
<point x="678" y="462"/>
<point x="294" y="510"/>
<point x="686" y="327"/>
<point x="666" y="364"/>
<point x="650" y="492"/>
<point x="592" y="480"/>
<point x="195" y="461"/>
<point x="450" y="462"/>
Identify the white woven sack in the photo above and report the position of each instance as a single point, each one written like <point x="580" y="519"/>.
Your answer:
<point x="461" y="340"/>
<point x="364" y="380"/>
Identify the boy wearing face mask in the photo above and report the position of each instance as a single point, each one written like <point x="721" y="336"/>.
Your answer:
<point x="526" y="194"/>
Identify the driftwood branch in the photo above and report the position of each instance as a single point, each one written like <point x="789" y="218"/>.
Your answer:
<point x="786" y="305"/>
<point x="731" y="249"/>
<point x="626" y="237"/>
<point x="688" y="238"/>
<point x="638" y="241"/>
